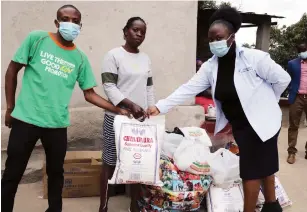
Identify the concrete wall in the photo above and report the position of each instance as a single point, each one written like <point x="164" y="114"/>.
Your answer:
<point x="263" y="36"/>
<point x="170" y="42"/>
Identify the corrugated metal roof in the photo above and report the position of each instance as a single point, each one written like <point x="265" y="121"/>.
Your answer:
<point x="251" y="13"/>
<point x="265" y="14"/>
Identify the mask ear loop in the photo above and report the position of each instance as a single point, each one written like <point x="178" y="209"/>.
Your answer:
<point x="229" y="38"/>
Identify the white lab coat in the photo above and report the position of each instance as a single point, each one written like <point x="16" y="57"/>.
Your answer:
<point x="259" y="82"/>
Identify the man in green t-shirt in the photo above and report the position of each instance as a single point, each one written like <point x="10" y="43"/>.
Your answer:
<point x="53" y="65"/>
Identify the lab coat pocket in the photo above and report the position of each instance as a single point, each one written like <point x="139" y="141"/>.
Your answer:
<point x="250" y="77"/>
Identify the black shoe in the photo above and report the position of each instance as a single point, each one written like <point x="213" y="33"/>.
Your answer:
<point x="271" y="207"/>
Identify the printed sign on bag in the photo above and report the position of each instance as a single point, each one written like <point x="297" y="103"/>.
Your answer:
<point x="138" y="150"/>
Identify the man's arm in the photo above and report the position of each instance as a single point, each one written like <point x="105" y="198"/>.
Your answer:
<point x="92" y="97"/>
<point x="10" y="89"/>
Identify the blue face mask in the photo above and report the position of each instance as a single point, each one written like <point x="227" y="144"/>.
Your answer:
<point x="219" y="48"/>
<point x="303" y="55"/>
<point x="69" y="31"/>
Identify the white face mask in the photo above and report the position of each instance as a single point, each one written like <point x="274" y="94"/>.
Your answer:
<point x="219" y="48"/>
<point x="69" y="31"/>
<point x="303" y="55"/>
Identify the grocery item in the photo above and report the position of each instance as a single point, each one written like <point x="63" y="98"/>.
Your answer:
<point x="196" y="133"/>
<point x="171" y="143"/>
<point x="224" y="167"/>
<point x="228" y="200"/>
<point x="191" y="156"/>
<point x="222" y="200"/>
<point x="181" y="191"/>
<point x="233" y="147"/>
<point x="211" y="111"/>
<point x="138" y="146"/>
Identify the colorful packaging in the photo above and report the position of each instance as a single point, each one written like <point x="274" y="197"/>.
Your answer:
<point x="181" y="191"/>
<point x="233" y="147"/>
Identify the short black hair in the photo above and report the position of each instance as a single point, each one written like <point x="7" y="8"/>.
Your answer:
<point x="66" y="6"/>
<point x="130" y="22"/>
<point x="300" y="46"/>
<point x="228" y="16"/>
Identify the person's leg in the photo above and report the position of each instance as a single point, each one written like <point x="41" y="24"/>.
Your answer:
<point x="55" y="145"/>
<point x="251" y="190"/>
<point x="271" y="204"/>
<point x="305" y="109"/>
<point x="106" y="174"/>
<point x="268" y="184"/>
<point x="135" y="196"/>
<point x="109" y="161"/>
<point x="295" y="114"/>
<point x="22" y="140"/>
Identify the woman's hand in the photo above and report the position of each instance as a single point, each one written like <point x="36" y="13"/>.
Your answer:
<point x="153" y="111"/>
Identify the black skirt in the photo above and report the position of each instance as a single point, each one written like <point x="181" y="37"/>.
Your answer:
<point x="258" y="159"/>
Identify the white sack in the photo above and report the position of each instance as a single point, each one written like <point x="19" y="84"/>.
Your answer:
<point x="225" y="200"/>
<point x="138" y="146"/>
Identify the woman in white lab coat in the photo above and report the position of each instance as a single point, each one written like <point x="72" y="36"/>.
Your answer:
<point x="246" y="87"/>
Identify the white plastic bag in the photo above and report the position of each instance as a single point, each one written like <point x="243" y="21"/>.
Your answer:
<point x="224" y="167"/>
<point x="171" y="143"/>
<point x="196" y="133"/>
<point x="191" y="156"/>
<point x="138" y="146"/>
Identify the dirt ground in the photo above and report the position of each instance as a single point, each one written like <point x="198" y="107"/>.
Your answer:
<point x="28" y="198"/>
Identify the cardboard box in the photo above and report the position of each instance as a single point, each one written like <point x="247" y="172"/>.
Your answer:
<point x="81" y="174"/>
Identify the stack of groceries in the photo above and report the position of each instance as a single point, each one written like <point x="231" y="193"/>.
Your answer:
<point x="178" y="170"/>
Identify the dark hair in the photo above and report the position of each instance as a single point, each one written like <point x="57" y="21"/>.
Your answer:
<point x="130" y="22"/>
<point x="228" y="16"/>
<point x="67" y="6"/>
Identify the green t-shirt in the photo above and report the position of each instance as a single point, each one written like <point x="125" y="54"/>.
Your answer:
<point x="51" y="71"/>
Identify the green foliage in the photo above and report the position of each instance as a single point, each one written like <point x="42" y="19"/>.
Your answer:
<point x="202" y="5"/>
<point x="211" y="4"/>
<point x="283" y="41"/>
